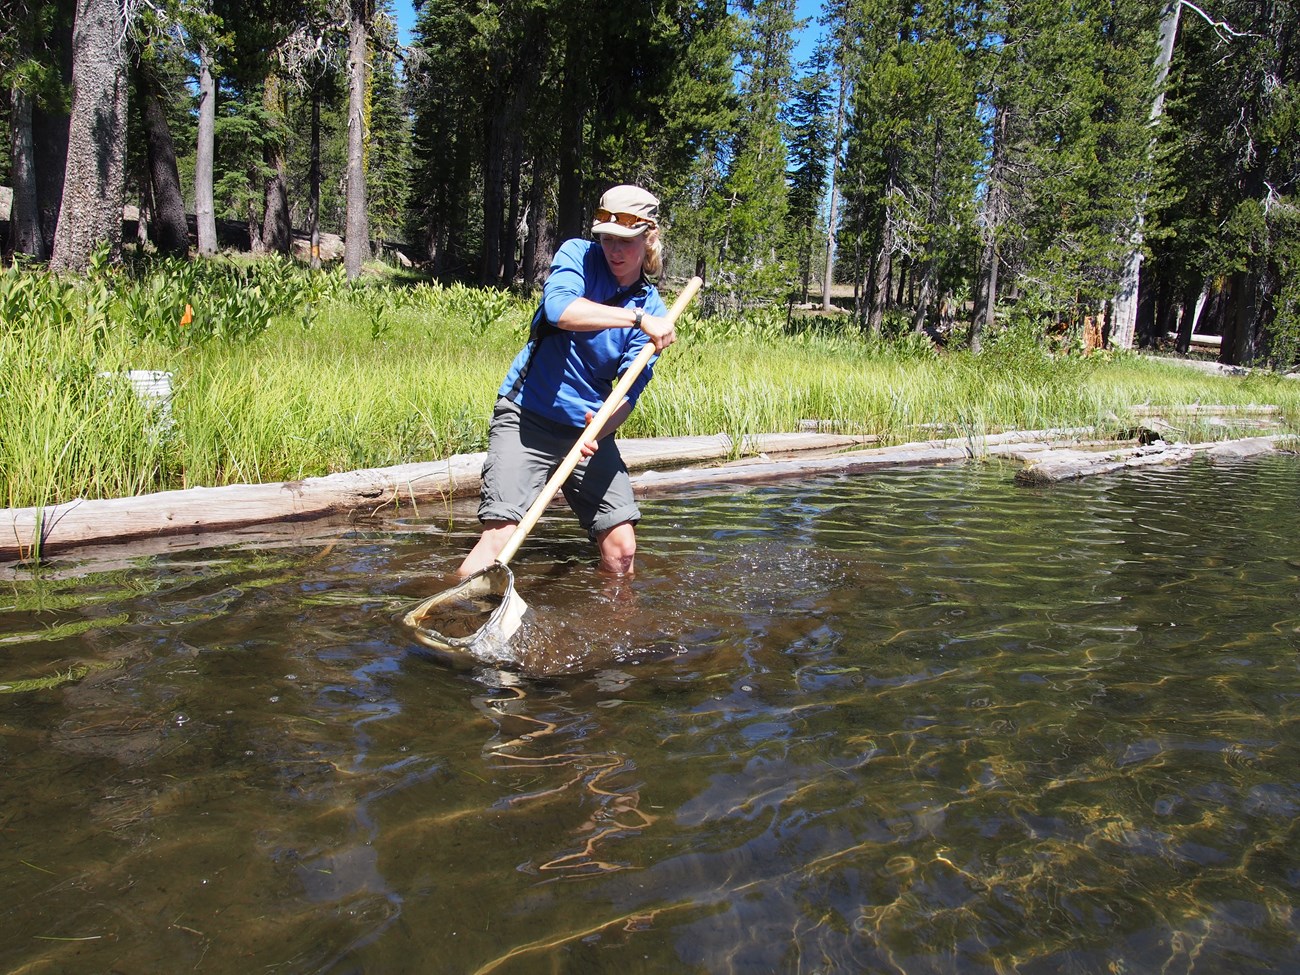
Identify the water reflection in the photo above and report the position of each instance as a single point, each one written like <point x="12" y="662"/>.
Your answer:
<point x="922" y="722"/>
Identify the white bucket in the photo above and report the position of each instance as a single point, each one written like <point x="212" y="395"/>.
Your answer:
<point x="153" y="387"/>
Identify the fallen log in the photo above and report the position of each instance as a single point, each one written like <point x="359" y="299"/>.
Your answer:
<point x="1206" y="409"/>
<point x="930" y="453"/>
<point x="31" y="532"/>
<point x="1205" y="341"/>
<point x="1069" y="464"/>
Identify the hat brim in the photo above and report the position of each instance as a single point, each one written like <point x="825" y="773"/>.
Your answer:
<point x="618" y="230"/>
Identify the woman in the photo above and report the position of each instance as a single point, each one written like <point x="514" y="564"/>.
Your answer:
<point x="598" y="310"/>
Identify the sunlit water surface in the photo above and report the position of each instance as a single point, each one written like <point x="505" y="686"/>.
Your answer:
<point x="922" y="721"/>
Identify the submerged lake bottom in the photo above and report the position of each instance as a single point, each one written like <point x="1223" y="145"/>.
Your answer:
<point x="921" y="721"/>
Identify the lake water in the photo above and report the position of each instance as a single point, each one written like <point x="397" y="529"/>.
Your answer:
<point x="922" y="721"/>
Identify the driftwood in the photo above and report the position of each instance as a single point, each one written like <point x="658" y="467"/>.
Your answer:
<point x="930" y="453"/>
<point x="1070" y="464"/>
<point x="1206" y="409"/>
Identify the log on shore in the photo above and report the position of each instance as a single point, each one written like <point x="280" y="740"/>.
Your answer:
<point x="641" y="453"/>
<point x="1070" y="464"/>
<point x="930" y="453"/>
<point x="28" y="532"/>
<point x="1205" y="409"/>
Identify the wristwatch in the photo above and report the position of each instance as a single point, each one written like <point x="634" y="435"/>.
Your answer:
<point x="637" y="316"/>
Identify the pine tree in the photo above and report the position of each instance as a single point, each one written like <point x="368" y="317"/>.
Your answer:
<point x="809" y="122"/>
<point x="751" y="249"/>
<point x="698" y="119"/>
<point x="1230" y="151"/>
<point x="312" y="60"/>
<point x="388" y="150"/>
<point x="31" y="56"/>
<point x="523" y="115"/>
<point x="890" y="159"/>
<point x="837" y="20"/>
<point x="1067" y="92"/>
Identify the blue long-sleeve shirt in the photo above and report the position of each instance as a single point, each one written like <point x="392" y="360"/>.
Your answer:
<point x="565" y="375"/>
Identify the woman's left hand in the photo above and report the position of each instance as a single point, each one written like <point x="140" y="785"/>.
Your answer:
<point x="660" y="331"/>
<point x="589" y="447"/>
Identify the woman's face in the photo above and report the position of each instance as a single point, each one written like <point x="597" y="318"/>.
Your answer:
<point x="624" y="255"/>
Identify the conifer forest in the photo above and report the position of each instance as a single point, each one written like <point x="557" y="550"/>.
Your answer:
<point x="935" y="165"/>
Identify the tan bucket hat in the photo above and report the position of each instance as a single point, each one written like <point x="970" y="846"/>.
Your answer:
<point x="625" y="211"/>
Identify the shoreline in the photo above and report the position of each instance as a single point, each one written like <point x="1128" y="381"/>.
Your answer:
<point x="202" y="517"/>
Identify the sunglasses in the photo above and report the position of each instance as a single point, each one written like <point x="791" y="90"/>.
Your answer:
<point x="629" y="220"/>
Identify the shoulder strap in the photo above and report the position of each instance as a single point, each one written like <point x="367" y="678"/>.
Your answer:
<point x="542" y="327"/>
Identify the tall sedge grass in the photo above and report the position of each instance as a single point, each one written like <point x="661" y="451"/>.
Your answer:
<point x="742" y="384"/>
<point x="70" y="425"/>
<point x="354" y="390"/>
<point x="344" y="378"/>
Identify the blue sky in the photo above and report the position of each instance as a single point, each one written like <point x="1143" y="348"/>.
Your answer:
<point x="404" y="12"/>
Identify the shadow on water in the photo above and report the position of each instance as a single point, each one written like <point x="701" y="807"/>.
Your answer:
<point x="921" y="722"/>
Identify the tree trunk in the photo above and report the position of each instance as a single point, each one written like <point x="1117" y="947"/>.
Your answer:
<point x="517" y="80"/>
<point x="25" y="219"/>
<point x="493" y="194"/>
<point x="169" y="232"/>
<point x="883" y="269"/>
<point x="49" y="128"/>
<point x="313" y="178"/>
<point x="805" y="262"/>
<point x="986" y="311"/>
<point x="539" y="245"/>
<point x="930" y="273"/>
<point x="1125" y="309"/>
<point x="1240" y="341"/>
<point x="24" y="215"/>
<point x="50" y="139"/>
<point x="828" y="282"/>
<point x="204" y="206"/>
<point x="570" y="206"/>
<point x="514" y="218"/>
<point x="929" y="288"/>
<point x="883" y="275"/>
<point x="277" y="233"/>
<point x="94" y="186"/>
<point x="253" y="220"/>
<point x="1191" y="306"/>
<point x="356" y="245"/>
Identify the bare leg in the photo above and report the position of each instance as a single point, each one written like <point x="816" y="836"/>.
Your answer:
<point x="617" y="548"/>
<point x="489" y="546"/>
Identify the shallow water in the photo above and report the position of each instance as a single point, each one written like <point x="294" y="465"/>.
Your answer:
<point x="922" y="721"/>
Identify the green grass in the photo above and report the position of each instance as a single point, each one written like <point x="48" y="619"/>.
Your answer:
<point x="319" y="377"/>
<point x="72" y="675"/>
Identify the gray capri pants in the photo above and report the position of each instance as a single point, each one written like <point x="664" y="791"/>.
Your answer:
<point x="524" y="449"/>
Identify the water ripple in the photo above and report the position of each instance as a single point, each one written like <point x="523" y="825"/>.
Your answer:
<point x="922" y="721"/>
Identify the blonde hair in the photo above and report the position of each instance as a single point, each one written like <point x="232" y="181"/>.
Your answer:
<point x="653" y="264"/>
